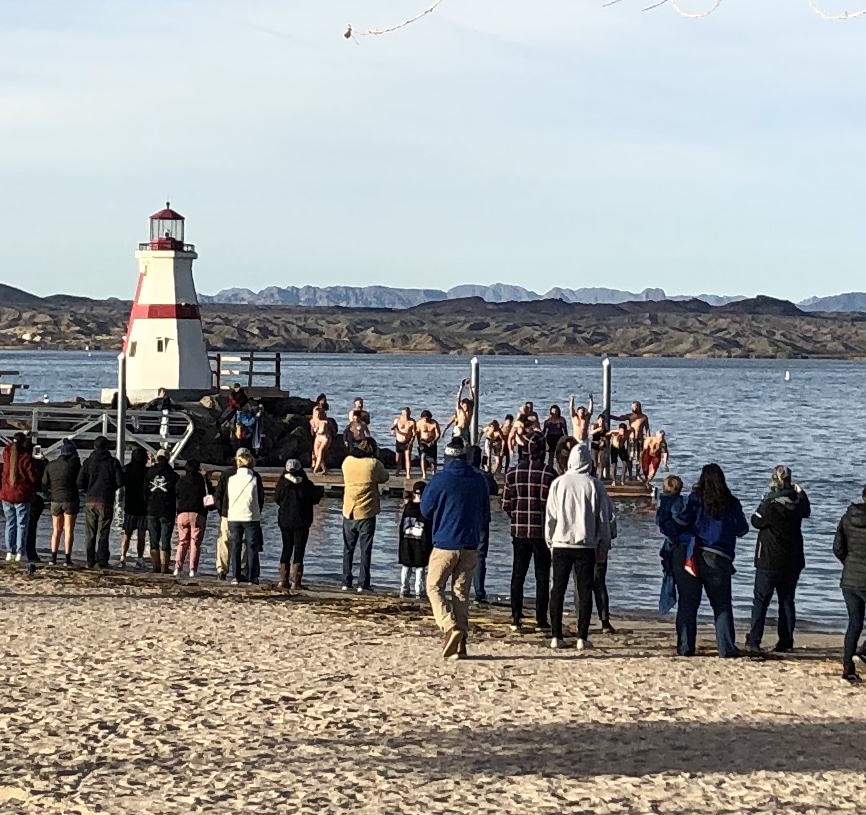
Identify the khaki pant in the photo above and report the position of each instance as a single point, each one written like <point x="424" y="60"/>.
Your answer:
<point x="459" y="567"/>
<point x="223" y="547"/>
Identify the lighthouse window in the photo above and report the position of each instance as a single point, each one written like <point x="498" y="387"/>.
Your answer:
<point x="160" y="345"/>
<point x="132" y="346"/>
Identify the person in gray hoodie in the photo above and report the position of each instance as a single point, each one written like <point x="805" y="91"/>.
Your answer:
<point x="579" y="524"/>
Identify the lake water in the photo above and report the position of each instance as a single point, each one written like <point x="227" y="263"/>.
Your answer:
<point x="739" y="413"/>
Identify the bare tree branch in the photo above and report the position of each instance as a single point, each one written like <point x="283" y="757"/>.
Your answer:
<point x="375" y="32"/>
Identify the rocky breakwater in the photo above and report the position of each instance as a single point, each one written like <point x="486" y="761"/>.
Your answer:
<point x="285" y="434"/>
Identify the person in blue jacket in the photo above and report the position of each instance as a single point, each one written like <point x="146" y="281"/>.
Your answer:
<point x="715" y="517"/>
<point x="457" y="504"/>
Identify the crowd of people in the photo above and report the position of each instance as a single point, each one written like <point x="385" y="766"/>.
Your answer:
<point x="562" y="521"/>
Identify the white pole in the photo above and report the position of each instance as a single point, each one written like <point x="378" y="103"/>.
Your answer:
<point x="474" y="380"/>
<point x="120" y="449"/>
<point x="606" y="388"/>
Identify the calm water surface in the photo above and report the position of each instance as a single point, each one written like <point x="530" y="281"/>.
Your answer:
<point x="739" y="413"/>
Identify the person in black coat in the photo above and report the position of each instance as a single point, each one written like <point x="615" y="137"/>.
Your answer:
<point x="295" y="496"/>
<point x="850" y="548"/>
<point x="100" y="478"/>
<point x="38" y="505"/>
<point x="160" y="485"/>
<point x="134" y="506"/>
<point x="192" y="489"/>
<point x="779" y="557"/>
<point x="60" y="487"/>
<point x="416" y="544"/>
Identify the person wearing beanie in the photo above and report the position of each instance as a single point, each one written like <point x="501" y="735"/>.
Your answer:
<point x="160" y="486"/>
<point x="245" y="498"/>
<point x="363" y="474"/>
<point x="221" y="501"/>
<point x="457" y="504"/>
<point x="295" y="496"/>
<point x="779" y="557"/>
<point x="415" y="544"/>
<point x="100" y="478"/>
<point x="60" y="487"/>
<point x="524" y="501"/>
<point x="579" y="529"/>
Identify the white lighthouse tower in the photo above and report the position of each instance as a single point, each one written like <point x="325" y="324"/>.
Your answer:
<point x="164" y="343"/>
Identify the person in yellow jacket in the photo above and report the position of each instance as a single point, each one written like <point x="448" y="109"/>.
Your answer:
<point x="363" y="474"/>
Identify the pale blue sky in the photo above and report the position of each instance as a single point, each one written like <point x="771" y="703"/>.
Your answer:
<point x="536" y="142"/>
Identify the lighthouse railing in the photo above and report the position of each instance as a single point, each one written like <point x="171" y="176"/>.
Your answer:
<point x="250" y="369"/>
<point x="48" y="426"/>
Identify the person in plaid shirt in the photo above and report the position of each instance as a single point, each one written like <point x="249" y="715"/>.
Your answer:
<point x="524" y="500"/>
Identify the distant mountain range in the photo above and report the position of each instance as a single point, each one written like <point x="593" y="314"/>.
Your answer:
<point x="388" y="297"/>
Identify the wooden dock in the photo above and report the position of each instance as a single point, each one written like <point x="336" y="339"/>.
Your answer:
<point x="400" y="487"/>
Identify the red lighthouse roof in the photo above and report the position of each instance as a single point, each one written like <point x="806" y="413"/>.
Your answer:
<point x="167" y="214"/>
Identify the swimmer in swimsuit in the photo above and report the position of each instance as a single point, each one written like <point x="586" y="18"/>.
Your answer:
<point x="555" y="428"/>
<point x="429" y="434"/>
<point x="493" y="445"/>
<point x="356" y="430"/>
<point x="321" y="430"/>
<point x="598" y="446"/>
<point x="518" y="438"/>
<point x="358" y="408"/>
<point x="462" y="418"/>
<point x="618" y="451"/>
<point x="403" y="429"/>
<point x="640" y="427"/>
<point x="580" y="418"/>
<point x="651" y="456"/>
<point x="505" y="433"/>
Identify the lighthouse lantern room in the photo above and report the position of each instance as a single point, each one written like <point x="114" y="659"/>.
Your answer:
<point x="164" y="343"/>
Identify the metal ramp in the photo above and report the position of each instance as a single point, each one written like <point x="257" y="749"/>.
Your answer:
<point x="48" y="425"/>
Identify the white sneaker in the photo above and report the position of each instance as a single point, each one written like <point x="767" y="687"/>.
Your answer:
<point x="18" y="558"/>
<point x="177" y="572"/>
<point x="191" y="573"/>
<point x="556" y="644"/>
<point x="9" y="556"/>
<point x="584" y="645"/>
<point x="513" y="628"/>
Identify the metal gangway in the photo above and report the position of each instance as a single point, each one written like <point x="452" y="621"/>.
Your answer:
<point x="48" y="425"/>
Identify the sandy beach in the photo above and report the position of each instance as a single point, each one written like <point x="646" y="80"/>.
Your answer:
<point x="137" y="694"/>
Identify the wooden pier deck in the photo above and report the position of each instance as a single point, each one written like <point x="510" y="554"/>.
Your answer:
<point x="400" y="487"/>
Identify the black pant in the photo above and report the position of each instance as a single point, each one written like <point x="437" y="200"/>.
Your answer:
<point x="36" y="510"/>
<point x="480" y="577"/>
<point x="599" y="590"/>
<point x="582" y="563"/>
<point x="855" y="602"/>
<point x="785" y="585"/>
<point x="294" y="546"/>
<point x="97" y="528"/>
<point x="526" y="550"/>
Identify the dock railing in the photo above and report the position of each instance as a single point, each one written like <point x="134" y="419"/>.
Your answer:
<point x="49" y="425"/>
<point x="249" y="369"/>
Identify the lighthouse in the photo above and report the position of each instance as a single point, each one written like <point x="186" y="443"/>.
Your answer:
<point x="164" y="343"/>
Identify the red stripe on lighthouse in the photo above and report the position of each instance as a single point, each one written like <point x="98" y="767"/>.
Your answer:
<point x="174" y="311"/>
<point x="132" y="313"/>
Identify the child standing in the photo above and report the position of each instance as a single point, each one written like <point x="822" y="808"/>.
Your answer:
<point x="416" y="544"/>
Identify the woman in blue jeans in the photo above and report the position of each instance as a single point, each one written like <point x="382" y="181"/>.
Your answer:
<point x="17" y="492"/>
<point x="715" y="517"/>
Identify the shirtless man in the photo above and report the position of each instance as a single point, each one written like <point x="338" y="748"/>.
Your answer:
<point x="618" y="451"/>
<point x="403" y="429"/>
<point x="532" y="422"/>
<point x="429" y="434"/>
<point x="358" y="407"/>
<point x="640" y="427"/>
<point x="517" y="438"/>
<point x="580" y="418"/>
<point x="462" y="418"/>
<point x="356" y="430"/>
<point x="651" y="455"/>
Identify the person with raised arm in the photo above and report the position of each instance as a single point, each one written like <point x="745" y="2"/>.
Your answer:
<point x="461" y="421"/>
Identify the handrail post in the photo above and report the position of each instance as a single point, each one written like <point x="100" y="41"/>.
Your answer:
<point x="606" y="405"/>
<point x="278" y="369"/>
<point x="474" y="384"/>
<point x="218" y="372"/>
<point x="120" y="450"/>
<point x="250" y="374"/>
<point x="34" y="426"/>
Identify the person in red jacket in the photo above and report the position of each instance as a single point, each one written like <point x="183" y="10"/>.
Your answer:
<point x="17" y="492"/>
